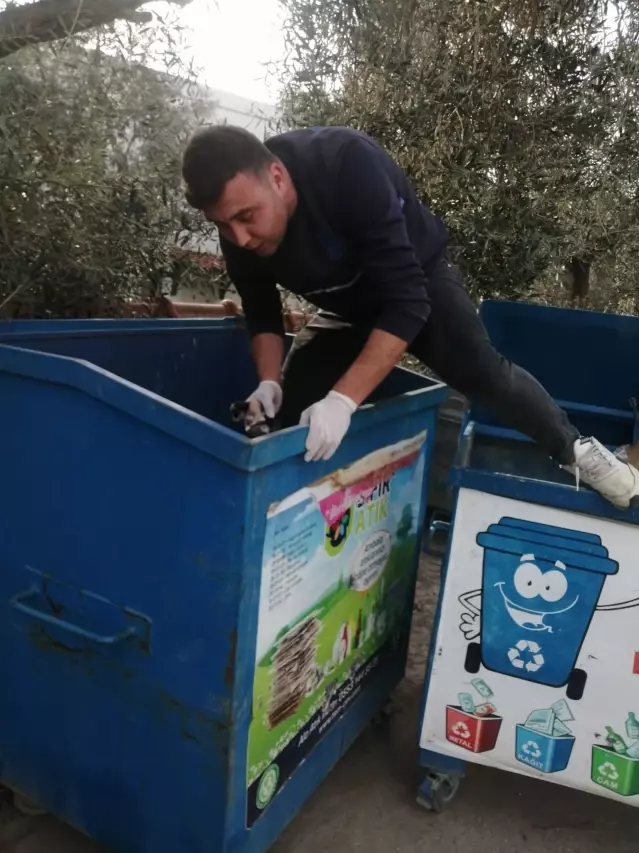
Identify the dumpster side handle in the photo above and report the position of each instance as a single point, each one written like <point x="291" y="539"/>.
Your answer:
<point x="18" y="603"/>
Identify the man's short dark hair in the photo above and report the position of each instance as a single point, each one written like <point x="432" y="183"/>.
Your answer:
<point x="216" y="154"/>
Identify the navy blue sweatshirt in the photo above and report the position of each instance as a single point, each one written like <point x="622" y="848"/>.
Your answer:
<point x="358" y="245"/>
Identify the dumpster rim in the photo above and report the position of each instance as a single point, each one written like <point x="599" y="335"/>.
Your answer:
<point x="232" y="448"/>
<point x="92" y="328"/>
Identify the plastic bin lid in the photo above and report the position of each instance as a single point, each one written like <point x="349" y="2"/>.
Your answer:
<point x="572" y="547"/>
<point x="548" y="529"/>
<point x="544" y="534"/>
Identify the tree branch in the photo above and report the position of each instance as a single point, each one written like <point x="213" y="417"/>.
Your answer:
<point x="49" y="20"/>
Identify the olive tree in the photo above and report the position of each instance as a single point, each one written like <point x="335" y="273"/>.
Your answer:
<point x="91" y="132"/>
<point x="515" y="121"/>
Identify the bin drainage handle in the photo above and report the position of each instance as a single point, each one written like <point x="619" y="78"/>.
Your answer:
<point x="436" y="525"/>
<point x="18" y="603"/>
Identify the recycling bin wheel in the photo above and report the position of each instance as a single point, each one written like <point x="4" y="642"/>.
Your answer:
<point x="473" y="658"/>
<point x="576" y="684"/>
<point x="437" y="790"/>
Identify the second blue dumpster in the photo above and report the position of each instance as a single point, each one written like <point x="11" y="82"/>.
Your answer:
<point x="534" y="663"/>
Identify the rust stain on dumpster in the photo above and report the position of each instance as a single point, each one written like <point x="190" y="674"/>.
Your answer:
<point x="45" y="642"/>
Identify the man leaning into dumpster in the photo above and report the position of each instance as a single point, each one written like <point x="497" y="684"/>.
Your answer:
<point x="327" y="214"/>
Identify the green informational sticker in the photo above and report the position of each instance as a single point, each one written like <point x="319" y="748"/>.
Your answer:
<point x="268" y="786"/>
<point x="334" y="610"/>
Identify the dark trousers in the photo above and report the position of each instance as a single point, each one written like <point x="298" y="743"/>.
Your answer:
<point x="455" y="345"/>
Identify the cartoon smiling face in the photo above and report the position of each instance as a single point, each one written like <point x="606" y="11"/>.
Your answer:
<point x="533" y="595"/>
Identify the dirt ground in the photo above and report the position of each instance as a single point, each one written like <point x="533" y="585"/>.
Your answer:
<point x="368" y="802"/>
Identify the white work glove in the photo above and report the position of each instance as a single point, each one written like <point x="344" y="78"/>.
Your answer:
<point x="328" y="423"/>
<point x="269" y="395"/>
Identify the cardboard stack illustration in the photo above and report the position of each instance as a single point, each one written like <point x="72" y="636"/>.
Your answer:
<point x="615" y="766"/>
<point x="294" y="670"/>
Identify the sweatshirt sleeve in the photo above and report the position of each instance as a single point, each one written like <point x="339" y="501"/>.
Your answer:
<point x="258" y="291"/>
<point x="372" y="219"/>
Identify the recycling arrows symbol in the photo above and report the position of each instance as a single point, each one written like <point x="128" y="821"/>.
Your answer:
<point x="461" y="730"/>
<point x="535" y="661"/>
<point x="531" y="749"/>
<point x="608" y="771"/>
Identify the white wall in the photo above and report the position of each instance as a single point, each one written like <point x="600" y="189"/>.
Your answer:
<point x="234" y="109"/>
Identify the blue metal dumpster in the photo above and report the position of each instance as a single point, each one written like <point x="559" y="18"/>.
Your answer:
<point x="195" y="626"/>
<point x="534" y="662"/>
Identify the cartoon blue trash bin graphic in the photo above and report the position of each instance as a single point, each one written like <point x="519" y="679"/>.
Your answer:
<point x="540" y="588"/>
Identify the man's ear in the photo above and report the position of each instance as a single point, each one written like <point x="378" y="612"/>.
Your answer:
<point x="277" y="173"/>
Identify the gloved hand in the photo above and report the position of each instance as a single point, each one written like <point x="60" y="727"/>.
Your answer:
<point x="268" y="395"/>
<point x="328" y="421"/>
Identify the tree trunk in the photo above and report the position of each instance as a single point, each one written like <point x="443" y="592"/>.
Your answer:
<point x="579" y="271"/>
<point x="49" y="20"/>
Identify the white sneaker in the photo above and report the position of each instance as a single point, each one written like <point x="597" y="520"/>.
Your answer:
<point x="600" y="469"/>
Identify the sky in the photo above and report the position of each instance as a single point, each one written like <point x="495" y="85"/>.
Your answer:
<point x="232" y="41"/>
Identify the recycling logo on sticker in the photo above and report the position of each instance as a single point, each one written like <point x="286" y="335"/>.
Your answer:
<point x="531" y="749"/>
<point x="268" y="786"/>
<point x="608" y="773"/>
<point x="461" y="730"/>
<point x="526" y="654"/>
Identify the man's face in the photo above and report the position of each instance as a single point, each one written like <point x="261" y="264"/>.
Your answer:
<point x="252" y="212"/>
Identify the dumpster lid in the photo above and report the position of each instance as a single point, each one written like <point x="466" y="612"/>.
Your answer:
<point x="574" y="548"/>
